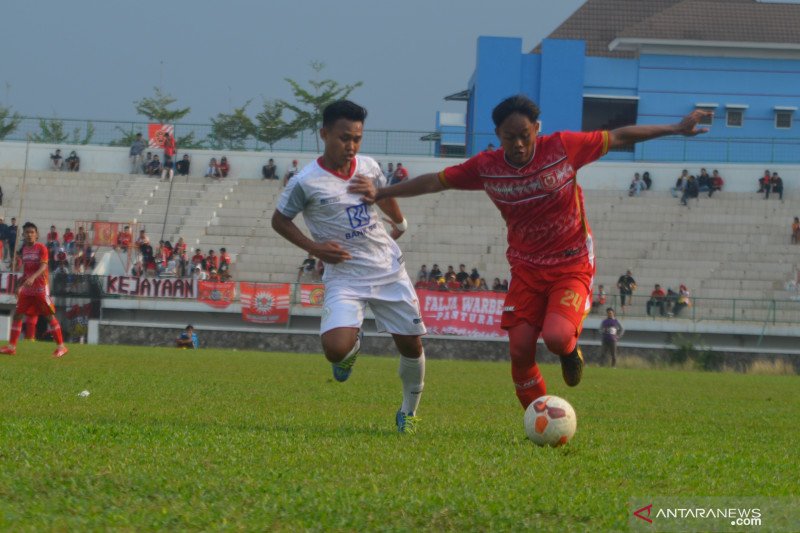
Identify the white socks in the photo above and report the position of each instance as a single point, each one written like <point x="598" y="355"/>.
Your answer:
<point x="412" y="374"/>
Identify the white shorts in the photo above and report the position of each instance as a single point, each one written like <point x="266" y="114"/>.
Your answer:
<point x="394" y="305"/>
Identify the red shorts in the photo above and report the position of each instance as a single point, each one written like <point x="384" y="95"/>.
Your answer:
<point x="35" y="304"/>
<point x="533" y="293"/>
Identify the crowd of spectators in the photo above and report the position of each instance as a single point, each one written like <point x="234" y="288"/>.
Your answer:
<point x="395" y="174"/>
<point x="71" y="164"/>
<point x="666" y="303"/>
<point x="770" y="183"/>
<point x="172" y="260"/>
<point x="435" y="279"/>
<point x="687" y="186"/>
<point x="218" y="169"/>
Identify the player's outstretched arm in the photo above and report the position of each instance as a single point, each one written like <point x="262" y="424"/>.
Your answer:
<point x="424" y="184"/>
<point x="329" y="252"/>
<point x="628" y="135"/>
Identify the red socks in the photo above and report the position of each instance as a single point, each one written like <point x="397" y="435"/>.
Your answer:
<point x="528" y="382"/>
<point x="55" y="331"/>
<point x="16" y="329"/>
<point x="30" y="327"/>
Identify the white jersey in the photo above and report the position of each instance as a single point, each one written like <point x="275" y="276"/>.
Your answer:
<point x="334" y="215"/>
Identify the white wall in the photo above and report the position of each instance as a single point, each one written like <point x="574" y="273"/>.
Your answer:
<point x="247" y="165"/>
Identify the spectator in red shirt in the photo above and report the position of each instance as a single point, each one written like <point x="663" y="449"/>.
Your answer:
<point x="69" y="241"/>
<point x="198" y="258"/>
<point x="52" y="240"/>
<point x="168" y="169"/>
<point x="657" y="299"/>
<point x="224" y="167"/>
<point x="212" y="261"/>
<point x="400" y="174"/>
<point x="124" y="238"/>
<point x="716" y="182"/>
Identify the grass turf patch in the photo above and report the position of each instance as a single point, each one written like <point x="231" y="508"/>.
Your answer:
<point x="215" y="439"/>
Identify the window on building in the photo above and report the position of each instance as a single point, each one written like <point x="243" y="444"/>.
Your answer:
<point x="709" y="119"/>
<point x="735" y="118"/>
<point x="607" y="113"/>
<point x="783" y="119"/>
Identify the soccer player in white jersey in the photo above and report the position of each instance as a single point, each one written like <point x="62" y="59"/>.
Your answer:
<point x="363" y="264"/>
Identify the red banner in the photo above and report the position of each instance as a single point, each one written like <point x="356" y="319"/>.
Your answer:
<point x="215" y="293"/>
<point x="470" y="314"/>
<point x="155" y="132"/>
<point x="265" y="303"/>
<point x="105" y="233"/>
<point x="312" y="294"/>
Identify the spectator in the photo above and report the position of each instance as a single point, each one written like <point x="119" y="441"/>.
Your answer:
<point x="270" y="170"/>
<point x="142" y="238"/>
<point x="124" y="238"/>
<point x="690" y="191"/>
<point x="136" y="154"/>
<point x="198" y="258"/>
<point x="11" y="238"/>
<point x="390" y="173"/>
<point x="795" y="230"/>
<point x="80" y="240"/>
<point x="306" y="267"/>
<point x="224" y="264"/>
<point x="482" y="285"/>
<point x="449" y="272"/>
<point x="505" y="285"/>
<point x="169" y="268"/>
<point x="637" y="186"/>
<point x="52" y="240"/>
<point x="1" y="196"/>
<point x="60" y="261"/>
<point x="199" y="274"/>
<point x="212" y="261"/>
<point x="183" y="165"/>
<point x="138" y="270"/>
<point x="764" y="182"/>
<point x="435" y="273"/>
<point x="183" y="264"/>
<point x="213" y="275"/>
<point x="658" y="299"/>
<point x="56" y="161"/>
<point x="600" y="300"/>
<point x="496" y="285"/>
<point x="680" y="184"/>
<point x="648" y="181"/>
<point x="213" y="169"/>
<point x="703" y="181"/>
<point x="462" y="277"/>
<point x="422" y="275"/>
<point x="180" y="247"/>
<point x="5" y="254"/>
<point x="188" y="339"/>
<point x="291" y="172"/>
<point x="776" y="185"/>
<point x="474" y="278"/>
<point x="400" y="174"/>
<point x="169" y="157"/>
<point x="154" y="167"/>
<point x="148" y="258"/>
<point x="146" y="164"/>
<point x="626" y="285"/>
<point x="69" y="241"/>
<point x="716" y="182"/>
<point x="683" y="300"/>
<point x="224" y="167"/>
<point x="611" y="329"/>
<point x="73" y="162"/>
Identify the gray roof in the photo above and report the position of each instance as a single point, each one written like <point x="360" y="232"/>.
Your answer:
<point x="599" y="22"/>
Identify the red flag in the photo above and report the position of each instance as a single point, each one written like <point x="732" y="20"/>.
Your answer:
<point x="265" y="303"/>
<point x="156" y="134"/>
<point x="215" y="293"/>
<point x="105" y="233"/>
<point x="312" y="294"/>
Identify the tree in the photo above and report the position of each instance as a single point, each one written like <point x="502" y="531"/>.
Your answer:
<point x="8" y="122"/>
<point x="311" y="102"/>
<point x="230" y="131"/>
<point x="52" y="132"/>
<point x="156" y="109"/>
<point x="270" y="125"/>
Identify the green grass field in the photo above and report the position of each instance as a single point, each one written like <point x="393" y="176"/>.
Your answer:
<point x="215" y="439"/>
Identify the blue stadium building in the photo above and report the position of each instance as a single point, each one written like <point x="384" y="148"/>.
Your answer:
<point x="618" y="62"/>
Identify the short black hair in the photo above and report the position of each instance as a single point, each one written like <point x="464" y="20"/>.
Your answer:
<point x="190" y="326"/>
<point x="342" y="109"/>
<point x="515" y="104"/>
<point x="29" y="225"/>
<point x="610" y="309"/>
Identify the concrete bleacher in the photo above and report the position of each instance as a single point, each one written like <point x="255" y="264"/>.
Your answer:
<point x="731" y="246"/>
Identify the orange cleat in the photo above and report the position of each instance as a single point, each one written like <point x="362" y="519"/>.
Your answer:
<point x="61" y="351"/>
<point x="9" y="349"/>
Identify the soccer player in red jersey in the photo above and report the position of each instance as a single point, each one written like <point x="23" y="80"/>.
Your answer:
<point x="33" y="295"/>
<point x="532" y="181"/>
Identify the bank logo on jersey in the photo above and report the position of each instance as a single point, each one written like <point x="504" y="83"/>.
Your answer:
<point x="358" y="215"/>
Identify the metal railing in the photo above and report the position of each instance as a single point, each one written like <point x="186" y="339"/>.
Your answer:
<point x="706" y="148"/>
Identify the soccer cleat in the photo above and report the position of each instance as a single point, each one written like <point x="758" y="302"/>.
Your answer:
<point x="61" y="351"/>
<point x="9" y="350"/>
<point x="406" y="423"/>
<point x="343" y="369"/>
<point x="572" y="367"/>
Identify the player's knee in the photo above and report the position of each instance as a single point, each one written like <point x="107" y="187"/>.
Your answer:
<point x="559" y="335"/>
<point x="408" y="345"/>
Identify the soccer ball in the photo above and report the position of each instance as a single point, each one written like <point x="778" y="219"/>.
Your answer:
<point x="550" y="420"/>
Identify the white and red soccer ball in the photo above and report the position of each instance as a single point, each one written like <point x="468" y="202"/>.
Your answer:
<point x="550" y="421"/>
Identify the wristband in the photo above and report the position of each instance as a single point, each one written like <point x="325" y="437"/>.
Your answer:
<point x="402" y="226"/>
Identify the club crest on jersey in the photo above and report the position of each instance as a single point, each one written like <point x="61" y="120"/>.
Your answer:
<point x="358" y="215"/>
<point x="549" y="181"/>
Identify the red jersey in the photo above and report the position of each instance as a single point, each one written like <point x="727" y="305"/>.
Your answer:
<point x="52" y="236"/>
<point x="69" y="236"/>
<point x="32" y="259"/>
<point x="169" y="146"/>
<point x="541" y="202"/>
<point x="124" y="238"/>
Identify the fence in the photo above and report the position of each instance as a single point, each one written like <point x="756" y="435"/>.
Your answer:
<point x="394" y="142"/>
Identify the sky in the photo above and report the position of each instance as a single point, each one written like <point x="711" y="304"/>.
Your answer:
<point x="92" y="59"/>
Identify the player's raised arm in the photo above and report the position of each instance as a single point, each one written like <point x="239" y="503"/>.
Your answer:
<point x="424" y="184"/>
<point x="628" y="135"/>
